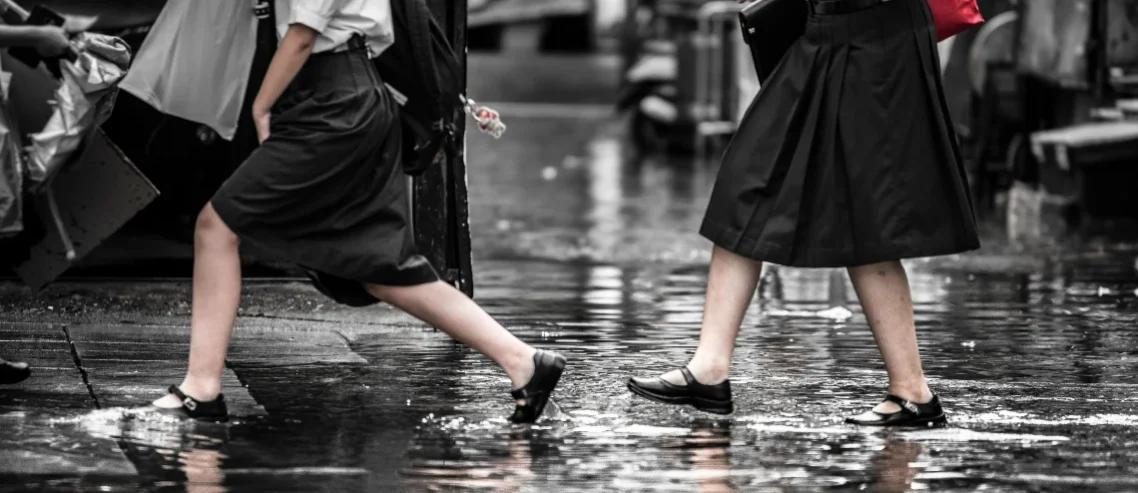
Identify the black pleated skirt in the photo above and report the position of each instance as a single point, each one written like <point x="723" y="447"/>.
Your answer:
<point x="847" y="156"/>
<point x="326" y="191"/>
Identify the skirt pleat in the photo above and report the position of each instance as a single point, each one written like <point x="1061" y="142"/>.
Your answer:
<point x="847" y="156"/>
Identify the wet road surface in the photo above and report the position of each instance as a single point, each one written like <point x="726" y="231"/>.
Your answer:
<point x="582" y="250"/>
<point x="1038" y="371"/>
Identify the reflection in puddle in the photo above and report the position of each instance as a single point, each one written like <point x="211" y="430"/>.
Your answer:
<point x="894" y="468"/>
<point x="203" y="470"/>
<point x="143" y="427"/>
<point x="191" y="453"/>
<point x="963" y="435"/>
<point x="508" y="470"/>
<point x="709" y="449"/>
<point x="606" y="217"/>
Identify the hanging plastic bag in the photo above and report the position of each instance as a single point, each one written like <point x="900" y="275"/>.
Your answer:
<point x="82" y="102"/>
<point x="195" y="62"/>
<point x="11" y="170"/>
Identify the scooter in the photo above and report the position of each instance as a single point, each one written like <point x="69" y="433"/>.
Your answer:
<point x="677" y="88"/>
<point x="649" y="94"/>
<point x="650" y="91"/>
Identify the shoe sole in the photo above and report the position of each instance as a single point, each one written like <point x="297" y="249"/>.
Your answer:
<point x="701" y="404"/>
<point x="934" y="422"/>
<point x="177" y="412"/>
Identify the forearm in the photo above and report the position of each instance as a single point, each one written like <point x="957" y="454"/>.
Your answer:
<point x="19" y="36"/>
<point x="294" y="50"/>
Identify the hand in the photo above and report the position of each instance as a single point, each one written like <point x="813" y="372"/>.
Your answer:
<point x="51" y="41"/>
<point x="261" y="122"/>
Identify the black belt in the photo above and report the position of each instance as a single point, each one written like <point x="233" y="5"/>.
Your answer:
<point x="836" y="7"/>
<point x="357" y="42"/>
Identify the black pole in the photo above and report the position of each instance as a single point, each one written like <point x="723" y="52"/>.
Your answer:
<point x="442" y="227"/>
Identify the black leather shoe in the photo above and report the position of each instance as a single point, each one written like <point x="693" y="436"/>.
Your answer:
<point x="13" y="372"/>
<point x="547" y="368"/>
<point x="214" y="411"/>
<point x="709" y="398"/>
<point x="929" y="414"/>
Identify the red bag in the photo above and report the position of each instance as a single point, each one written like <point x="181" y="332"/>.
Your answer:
<point x="952" y="17"/>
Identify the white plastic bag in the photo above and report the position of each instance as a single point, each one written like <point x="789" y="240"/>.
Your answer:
<point x="195" y="62"/>
<point x="82" y="102"/>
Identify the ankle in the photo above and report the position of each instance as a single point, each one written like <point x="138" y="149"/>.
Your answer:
<point x="201" y="389"/>
<point x="916" y="391"/>
<point x="709" y="370"/>
<point x="520" y="366"/>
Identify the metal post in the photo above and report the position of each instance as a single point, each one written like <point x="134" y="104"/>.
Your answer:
<point x="441" y="214"/>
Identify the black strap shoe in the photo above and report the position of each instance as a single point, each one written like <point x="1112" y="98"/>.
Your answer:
<point x="708" y="398"/>
<point x="213" y="411"/>
<point x="929" y="414"/>
<point x="13" y="372"/>
<point x="547" y="368"/>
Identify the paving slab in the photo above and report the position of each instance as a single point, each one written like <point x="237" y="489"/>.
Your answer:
<point x="57" y="383"/>
<point x="130" y="365"/>
<point x="42" y="345"/>
<point x="33" y="445"/>
<point x="285" y="305"/>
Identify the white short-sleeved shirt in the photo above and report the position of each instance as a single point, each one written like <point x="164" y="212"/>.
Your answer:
<point x="338" y="20"/>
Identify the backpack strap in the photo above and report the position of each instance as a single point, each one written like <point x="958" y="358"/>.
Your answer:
<point x="266" y="17"/>
<point x="418" y="19"/>
<point x="263" y="9"/>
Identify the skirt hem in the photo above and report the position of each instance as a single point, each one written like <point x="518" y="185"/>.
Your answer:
<point x="735" y="241"/>
<point x="422" y="273"/>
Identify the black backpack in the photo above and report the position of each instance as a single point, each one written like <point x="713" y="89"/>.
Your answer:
<point x="423" y="73"/>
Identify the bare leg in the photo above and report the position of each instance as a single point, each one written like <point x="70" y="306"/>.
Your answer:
<point x="448" y="309"/>
<point x="731" y="286"/>
<point x="216" y="294"/>
<point x="883" y="290"/>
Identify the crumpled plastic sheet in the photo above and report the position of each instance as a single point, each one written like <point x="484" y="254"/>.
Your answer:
<point x="84" y="100"/>
<point x="11" y="171"/>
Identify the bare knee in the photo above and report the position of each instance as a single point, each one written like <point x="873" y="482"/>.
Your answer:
<point x="212" y="231"/>
<point x="880" y="269"/>
<point x="401" y="295"/>
<point x="383" y="293"/>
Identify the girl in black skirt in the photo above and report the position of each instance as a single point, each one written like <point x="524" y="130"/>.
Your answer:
<point x="326" y="191"/>
<point x="846" y="158"/>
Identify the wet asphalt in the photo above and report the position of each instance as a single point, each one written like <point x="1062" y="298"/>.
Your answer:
<point x="584" y="248"/>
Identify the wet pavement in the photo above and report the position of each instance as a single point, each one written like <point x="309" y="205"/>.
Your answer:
<point x="584" y="249"/>
<point x="1038" y="370"/>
